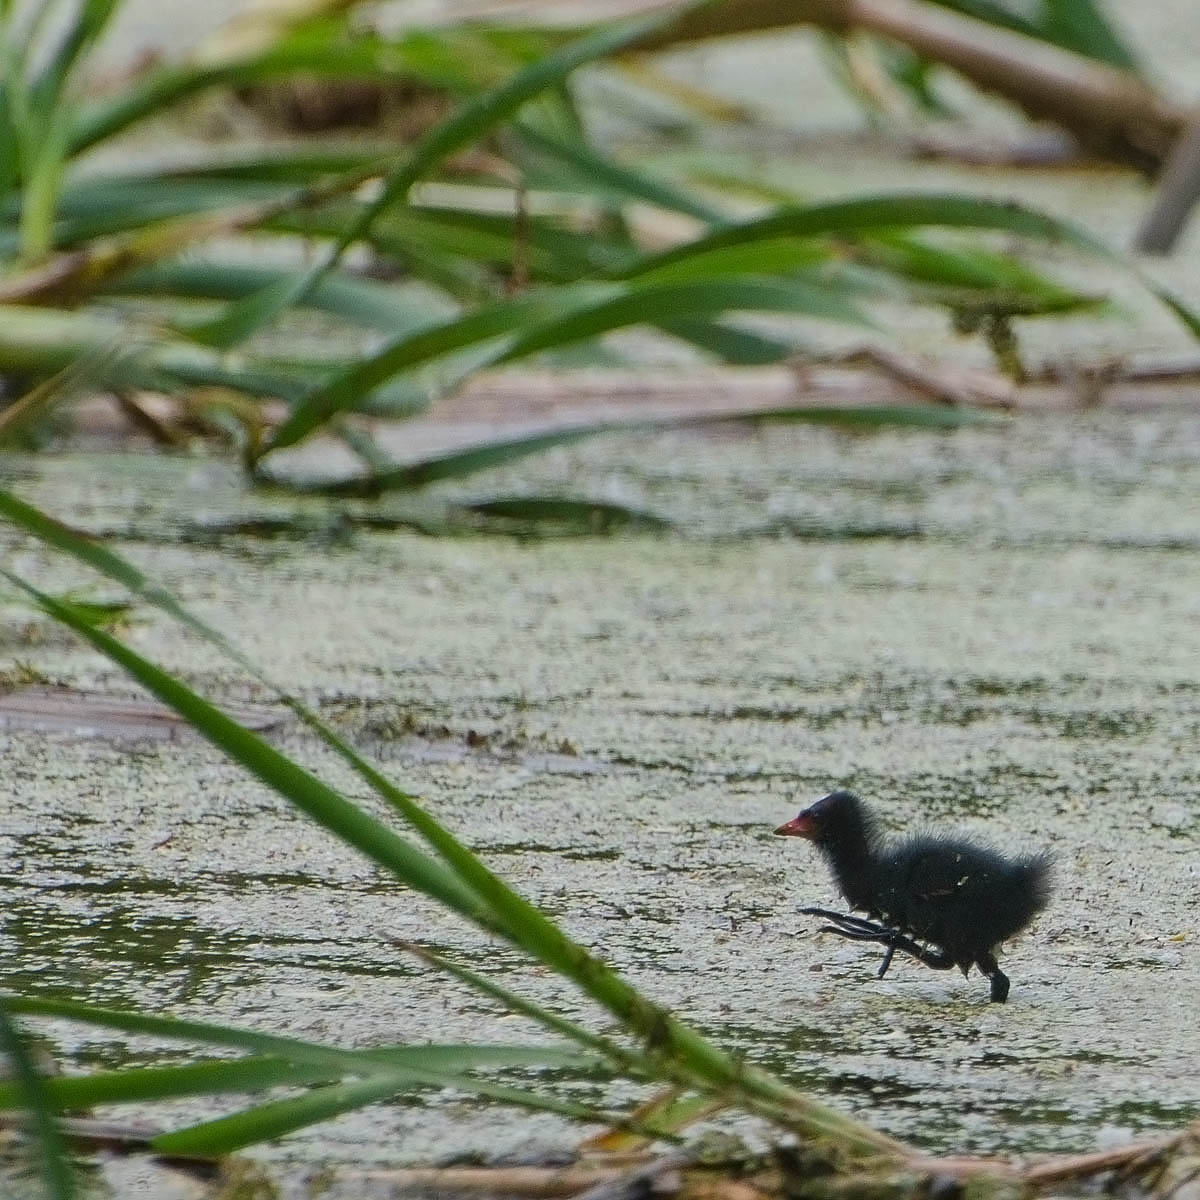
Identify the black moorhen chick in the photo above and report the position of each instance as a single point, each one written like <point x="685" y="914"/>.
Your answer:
<point x="959" y="899"/>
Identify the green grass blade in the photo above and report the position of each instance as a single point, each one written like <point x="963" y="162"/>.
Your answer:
<point x="141" y="1084"/>
<point x="281" y="1117"/>
<point x="88" y="22"/>
<point x="29" y="1091"/>
<point x="729" y="343"/>
<point x="553" y="252"/>
<point x="43" y="340"/>
<point x="601" y="175"/>
<point x="319" y="801"/>
<point x="1077" y="25"/>
<point x="39" y="199"/>
<point x="707" y="297"/>
<point x="270" y="1048"/>
<point x="347" y="388"/>
<point x="897" y="212"/>
<point x="475" y="119"/>
<point x="763" y="256"/>
<point x="589" y="310"/>
<point x="258" y="1073"/>
<point x="361" y="301"/>
<point x="468" y="461"/>
<point x="264" y="1122"/>
<point x="628" y="1060"/>
<point x="291" y="1050"/>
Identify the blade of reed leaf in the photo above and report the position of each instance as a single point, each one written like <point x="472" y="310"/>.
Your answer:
<point x="45" y="123"/>
<point x="1076" y="25"/>
<point x="541" y="937"/>
<point x="86" y="25"/>
<point x="629" y="1060"/>
<point x="468" y="461"/>
<point x="156" y="90"/>
<point x="362" y="301"/>
<point x="827" y="300"/>
<point x="348" y="386"/>
<point x="303" y="789"/>
<point x="277" y="1118"/>
<point x="554" y="253"/>
<point x="30" y="1092"/>
<point x="550" y="319"/>
<point x="293" y="1050"/>
<point x="258" y="1073"/>
<point x="333" y="1060"/>
<point x="729" y="343"/>
<point x="996" y="279"/>
<point x="44" y="340"/>
<point x="769" y="256"/>
<point x="477" y="117"/>
<point x="601" y="175"/>
<point x="900" y="211"/>
<point x="139" y="1084"/>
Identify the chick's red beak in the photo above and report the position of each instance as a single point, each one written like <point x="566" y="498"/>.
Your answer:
<point x="800" y="826"/>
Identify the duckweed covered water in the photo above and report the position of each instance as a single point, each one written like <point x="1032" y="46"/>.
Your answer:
<point x="618" y="724"/>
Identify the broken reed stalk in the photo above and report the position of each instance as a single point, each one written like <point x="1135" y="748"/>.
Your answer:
<point x="788" y="1172"/>
<point x="1111" y="112"/>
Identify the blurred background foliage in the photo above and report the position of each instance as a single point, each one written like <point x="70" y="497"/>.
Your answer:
<point x="431" y="201"/>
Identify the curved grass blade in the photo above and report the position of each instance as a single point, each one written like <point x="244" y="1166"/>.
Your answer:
<point x="278" y="1118"/>
<point x="446" y="466"/>
<point x="140" y="1084"/>
<point x="965" y="275"/>
<point x="44" y="341"/>
<point x="88" y="23"/>
<point x="29" y="1091"/>
<point x="555" y="252"/>
<point x="361" y="301"/>
<point x="601" y="175"/>
<point x="766" y="256"/>
<point x="896" y="212"/>
<point x="320" y="51"/>
<point x="707" y="297"/>
<point x="258" y="1073"/>
<point x="729" y="343"/>
<point x="459" y="463"/>
<point x="1077" y="25"/>
<point x="313" y="797"/>
<point x="628" y="1060"/>
<point x="347" y="388"/>
<point x="590" y="309"/>
<point x="476" y="118"/>
<point x="332" y="1060"/>
<point x="386" y="1072"/>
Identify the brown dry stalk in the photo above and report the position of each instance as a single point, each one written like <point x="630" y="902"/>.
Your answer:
<point x="1108" y="110"/>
